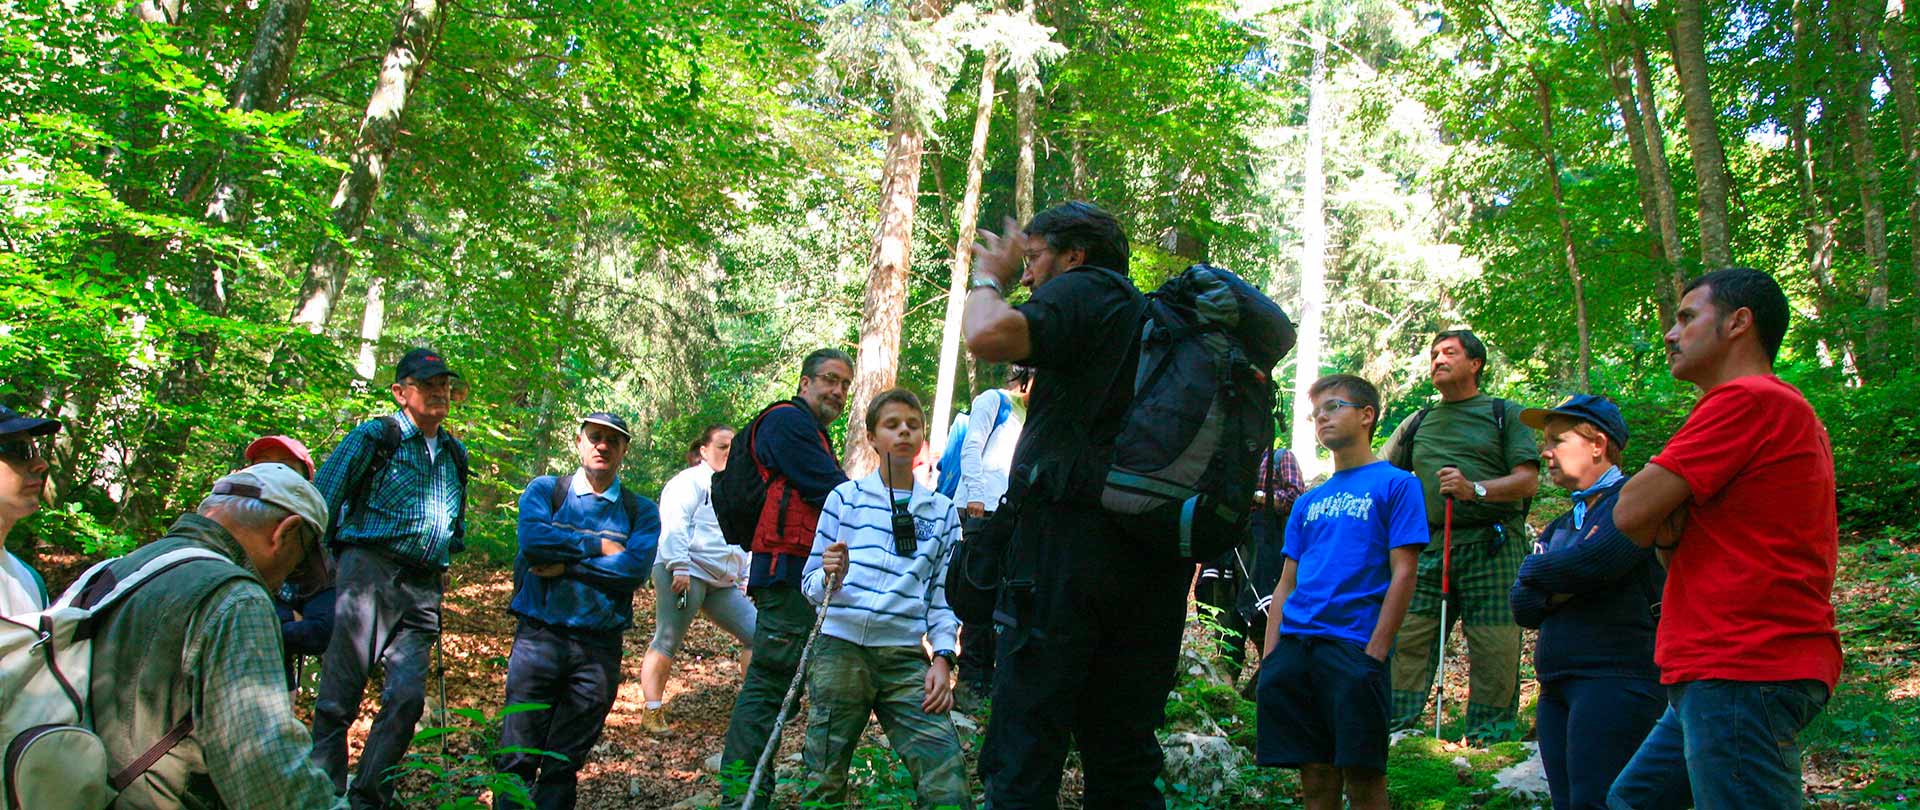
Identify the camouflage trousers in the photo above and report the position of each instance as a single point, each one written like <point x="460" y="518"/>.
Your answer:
<point x="1483" y="575"/>
<point x="846" y="682"/>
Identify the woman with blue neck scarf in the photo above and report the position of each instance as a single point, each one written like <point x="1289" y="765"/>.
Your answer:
<point x="1596" y="608"/>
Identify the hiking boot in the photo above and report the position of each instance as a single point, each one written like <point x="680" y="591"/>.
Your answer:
<point x="654" y="721"/>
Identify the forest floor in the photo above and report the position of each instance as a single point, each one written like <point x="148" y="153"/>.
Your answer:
<point x="1863" y="751"/>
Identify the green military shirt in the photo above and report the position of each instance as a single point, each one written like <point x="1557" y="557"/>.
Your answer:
<point x="1464" y="434"/>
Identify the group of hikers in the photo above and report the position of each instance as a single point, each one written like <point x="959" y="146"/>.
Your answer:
<point x="1686" y="631"/>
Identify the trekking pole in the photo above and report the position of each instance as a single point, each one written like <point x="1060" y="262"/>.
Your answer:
<point x="440" y="669"/>
<point x="793" y="692"/>
<point x="1446" y="578"/>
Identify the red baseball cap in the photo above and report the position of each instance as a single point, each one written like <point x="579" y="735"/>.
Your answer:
<point x="290" y="445"/>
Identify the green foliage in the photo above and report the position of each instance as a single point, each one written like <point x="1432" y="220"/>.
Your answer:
<point x="454" y="777"/>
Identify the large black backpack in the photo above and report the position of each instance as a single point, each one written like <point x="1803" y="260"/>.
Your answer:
<point x="1184" y="462"/>
<point x="740" y="491"/>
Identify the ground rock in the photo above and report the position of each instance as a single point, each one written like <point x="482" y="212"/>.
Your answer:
<point x="1526" y="779"/>
<point x="1207" y="764"/>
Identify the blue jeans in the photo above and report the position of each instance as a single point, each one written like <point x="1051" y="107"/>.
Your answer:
<point x="1735" y="743"/>
<point x="576" y="674"/>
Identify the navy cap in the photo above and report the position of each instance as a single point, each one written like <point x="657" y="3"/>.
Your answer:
<point x="421" y="364"/>
<point x="607" y="420"/>
<point x="12" y="422"/>
<point x="1597" y="411"/>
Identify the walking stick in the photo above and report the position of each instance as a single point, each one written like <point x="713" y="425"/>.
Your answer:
<point x="786" y="703"/>
<point x="1446" y="580"/>
<point x="440" y="669"/>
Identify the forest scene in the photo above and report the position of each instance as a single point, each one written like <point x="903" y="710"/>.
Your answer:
<point x="227" y="219"/>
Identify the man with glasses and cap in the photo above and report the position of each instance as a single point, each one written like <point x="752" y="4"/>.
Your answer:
<point x="586" y="544"/>
<point x="23" y="477"/>
<point x="396" y="486"/>
<point x="189" y="664"/>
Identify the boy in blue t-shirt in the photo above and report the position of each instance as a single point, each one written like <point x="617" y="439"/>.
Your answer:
<point x="1352" y="548"/>
<point x="886" y="541"/>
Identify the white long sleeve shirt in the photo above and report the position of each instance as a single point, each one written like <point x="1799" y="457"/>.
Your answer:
<point x="690" y="539"/>
<point x="886" y="600"/>
<point x="986" y="454"/>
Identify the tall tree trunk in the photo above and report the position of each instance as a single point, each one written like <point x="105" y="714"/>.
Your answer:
<point x="1023" y="111"/>
<point x="886" y="300"/>
<point x="1703" y="131"/>
<point x="1859" y="58"/>
<point x="1656" y="143"/>
<point x="262" y="78"/>
<point x="1619" y="76"/>
<point x="373" y="320"/>
<point x="966" y="219"/>
<point x="162" y="12"/>
<point x="414" y="33"/>
<point x="1900" y="75"/>
<point x="1543" y="95"/>
<point x="1313" y="258"/>
<point x="1816" y="216"/>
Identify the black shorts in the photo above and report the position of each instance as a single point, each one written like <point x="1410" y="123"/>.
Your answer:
<point x="1322" y="701"/>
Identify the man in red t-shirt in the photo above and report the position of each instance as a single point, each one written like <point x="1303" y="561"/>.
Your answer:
<point x="1742" y="499"/>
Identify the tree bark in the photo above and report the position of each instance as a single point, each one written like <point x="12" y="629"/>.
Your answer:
<point x="1023" y="111"/>
<point x="1543" y="95"/>
<point x="1313" y="257"/>
<point x="1619" y="76"/>
<point x="966" y="220"/>
<point x="1656" y="142"/>
<point x="1900" y="75"/>
<point x="161" y="12"/>
<point x="1859" y="57"/>
<point x="415" y="31"/>
<point x="373" y="320"/>
<point x="886" y="301"/>
<point x="1703" y="131"/>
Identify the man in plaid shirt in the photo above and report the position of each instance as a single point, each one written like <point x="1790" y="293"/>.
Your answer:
<point x="393" y="536"/>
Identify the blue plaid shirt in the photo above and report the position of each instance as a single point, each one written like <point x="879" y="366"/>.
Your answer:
<point x="410" y="512"/>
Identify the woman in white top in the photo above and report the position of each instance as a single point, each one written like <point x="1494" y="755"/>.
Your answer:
<point x="696" y="572"/>
<point x="23" y="476"/>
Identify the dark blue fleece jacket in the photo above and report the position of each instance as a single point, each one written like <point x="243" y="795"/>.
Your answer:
<point x="595" y="594"/>
<point x="1606" y="627"/>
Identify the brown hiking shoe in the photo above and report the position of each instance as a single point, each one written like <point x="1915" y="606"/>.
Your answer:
<point x="654" y="721"/>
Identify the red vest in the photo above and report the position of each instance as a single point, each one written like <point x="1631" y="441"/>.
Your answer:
<point x="787" y="521"/>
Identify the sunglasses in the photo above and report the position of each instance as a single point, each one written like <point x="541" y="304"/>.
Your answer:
<point x="23" y="448"/>
<point x="1333" y="406"/>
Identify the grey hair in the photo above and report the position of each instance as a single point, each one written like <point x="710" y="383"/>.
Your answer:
<point x="245" y="512"/>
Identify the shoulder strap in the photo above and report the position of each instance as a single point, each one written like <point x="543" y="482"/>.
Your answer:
<point x="1006" y="409"/>
<point x="384" y="444"/>
<point x="1500" y="417"/>
<point x="558" y="495"/>
<point x="152" y="755"/>
<point x="1403" y="452"/>
<point x="631" y="503"/>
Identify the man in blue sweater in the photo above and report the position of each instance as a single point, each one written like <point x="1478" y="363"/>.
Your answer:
<point x="574" y="579"/>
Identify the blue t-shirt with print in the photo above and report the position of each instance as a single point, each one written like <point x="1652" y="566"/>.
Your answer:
<point x="1339" y="534"/>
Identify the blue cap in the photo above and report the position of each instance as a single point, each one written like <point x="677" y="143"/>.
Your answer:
<point x="12" y="422"/>
<point x="606" y="420"/>
<point x="1597" y="411"/>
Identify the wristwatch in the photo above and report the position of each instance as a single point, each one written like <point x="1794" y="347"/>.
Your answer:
<point x="989" y="282"/>
<point x="1479" y="491"/>
<point x="948" y="655"/>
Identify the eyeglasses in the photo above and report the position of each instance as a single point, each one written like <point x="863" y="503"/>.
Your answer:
<point x="453" y="387"/>
<point x="1333" y="406"/>
<point x="23" y="448"/>
<point x="832" y="380"/>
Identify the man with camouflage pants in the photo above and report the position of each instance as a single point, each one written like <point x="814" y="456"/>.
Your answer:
<point x="1472" y="449"/>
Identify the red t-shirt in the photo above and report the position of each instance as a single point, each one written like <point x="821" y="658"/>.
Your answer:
<point x="1749" y="594"/>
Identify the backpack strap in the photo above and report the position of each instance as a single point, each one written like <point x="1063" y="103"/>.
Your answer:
<point x="385" y="443"/>
<point x="1403" y="452"/>
<point x="562" y="484"/>
<point x="153" y="754"/>
<point x="458" y="450"/>
<point x="631" y="503"/>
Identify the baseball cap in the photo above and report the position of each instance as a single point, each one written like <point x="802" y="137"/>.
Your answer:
<point x="12" y="422"/>
<point x="290" y="445"/>
<point x="283" y="486"/>
<point x="421" y="364"/>
<point x="607" y="420"/>
<point x="1597" y="410"/>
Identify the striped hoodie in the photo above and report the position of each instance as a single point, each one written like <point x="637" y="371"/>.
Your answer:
<point x="887" y="600"/>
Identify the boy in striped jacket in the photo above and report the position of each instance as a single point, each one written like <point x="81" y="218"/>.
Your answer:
<point x="885" y="540"/>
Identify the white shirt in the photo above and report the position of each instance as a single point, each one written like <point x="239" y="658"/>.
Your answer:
<point x="19" y="591"/>
<point x="581" y="486"/>
<point x="690" y="539"/>
<point x="986" y="454"/>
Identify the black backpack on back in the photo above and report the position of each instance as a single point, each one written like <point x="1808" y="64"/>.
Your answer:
<point x="740" y="491"/>
<point x="1185" y="460"/>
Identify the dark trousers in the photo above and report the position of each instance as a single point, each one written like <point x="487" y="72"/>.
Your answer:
<point x="1104" y="688"/>
<point x="1589" y="729"/>
<point x="577" y="674"/>
<point x="977" y="639"/>
<point x="387" y="613"/>
<point x="783" y="618"/>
